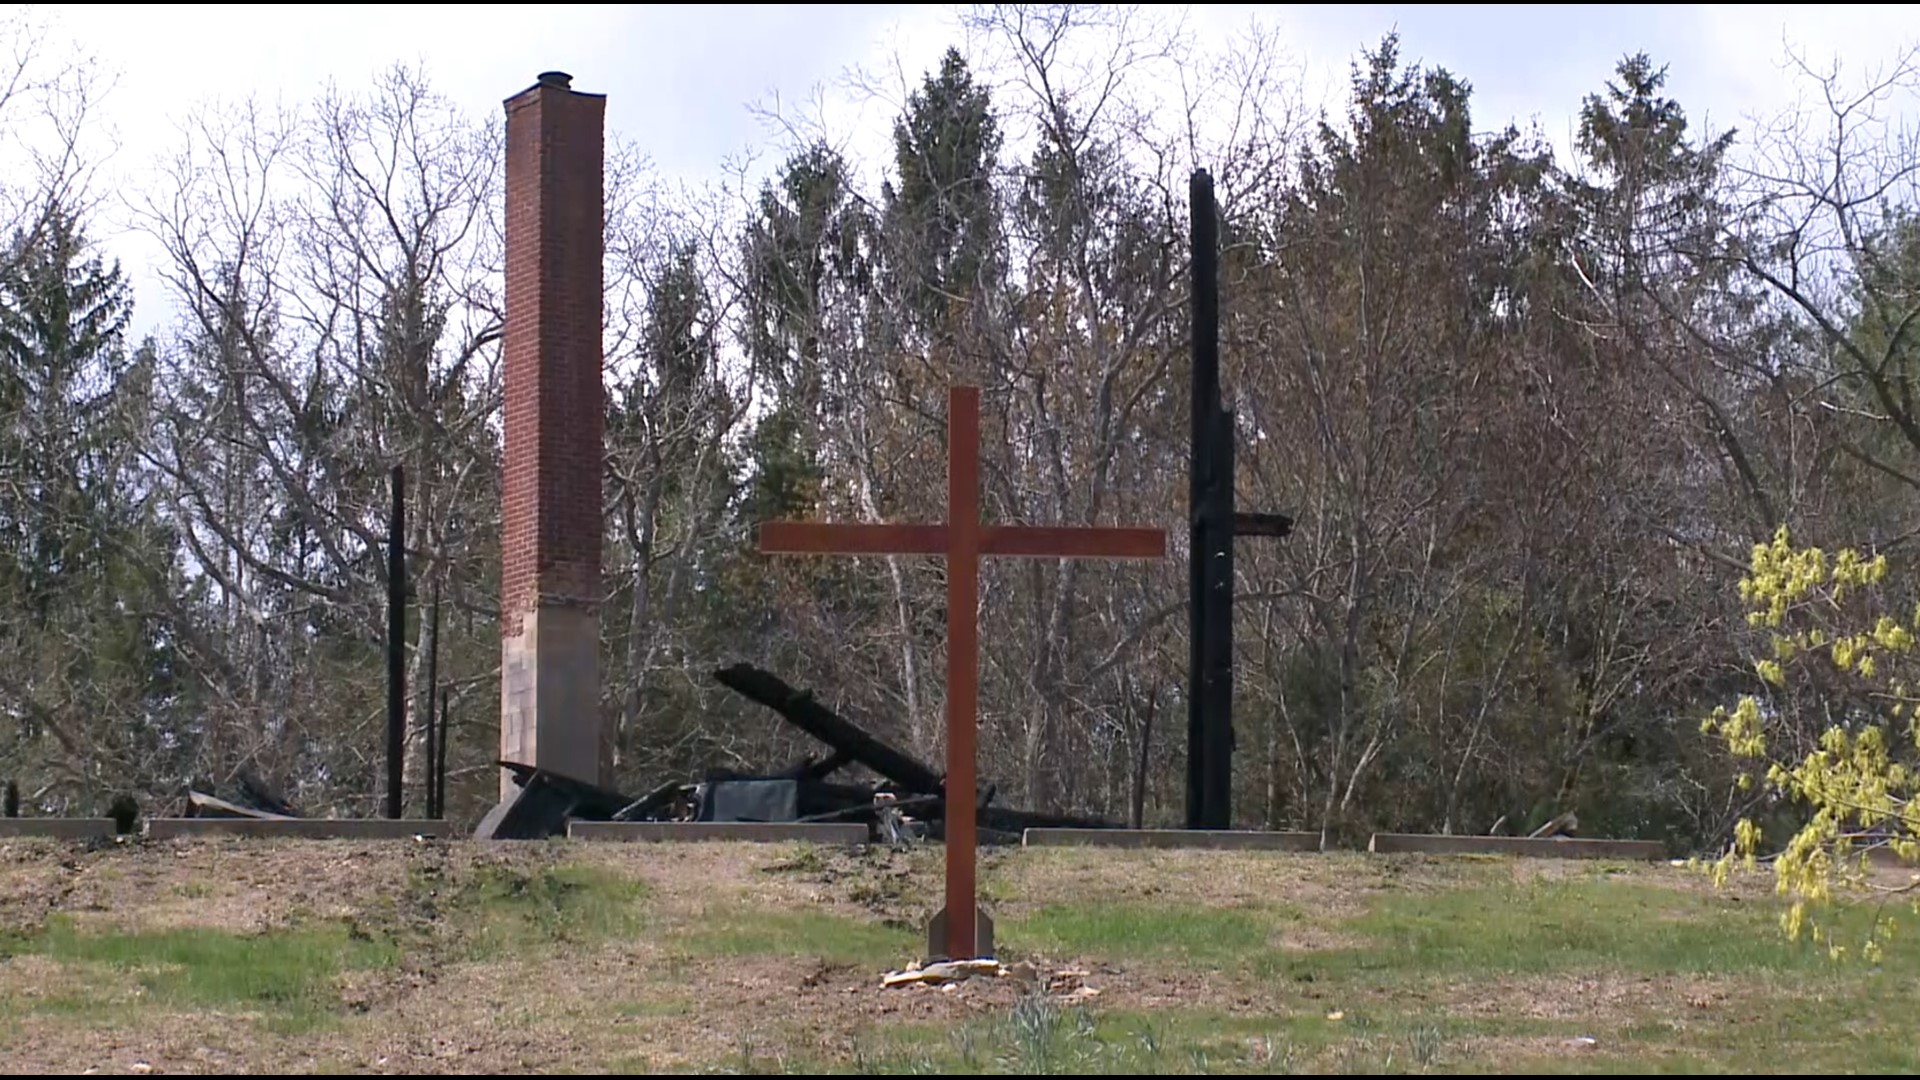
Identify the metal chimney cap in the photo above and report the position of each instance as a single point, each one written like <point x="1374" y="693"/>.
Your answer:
<point x="560" y="80"/>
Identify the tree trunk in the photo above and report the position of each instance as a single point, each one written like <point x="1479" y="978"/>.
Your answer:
<point x="918" y="723"/>
<point x="639" y="522"/>
<point x="1139" y="802"/>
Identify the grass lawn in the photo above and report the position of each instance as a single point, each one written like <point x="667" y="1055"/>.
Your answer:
<point x="250" y="956"/>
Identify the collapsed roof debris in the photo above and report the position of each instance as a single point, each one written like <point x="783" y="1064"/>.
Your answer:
<point x="906" y="804"/>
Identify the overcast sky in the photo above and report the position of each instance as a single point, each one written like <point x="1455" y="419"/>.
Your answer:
<point x="680" y="80"/>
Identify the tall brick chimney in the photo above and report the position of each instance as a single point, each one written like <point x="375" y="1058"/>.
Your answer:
<point x="550" y="580"/>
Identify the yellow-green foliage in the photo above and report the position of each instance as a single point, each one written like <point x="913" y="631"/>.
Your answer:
<point x="1858" y="776"/>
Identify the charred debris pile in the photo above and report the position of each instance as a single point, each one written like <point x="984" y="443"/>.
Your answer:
<point x="907" y="803"/>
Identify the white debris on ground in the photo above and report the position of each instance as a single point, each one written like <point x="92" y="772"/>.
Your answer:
<point x="947" y="974"/>
<point x="944" y="972"/>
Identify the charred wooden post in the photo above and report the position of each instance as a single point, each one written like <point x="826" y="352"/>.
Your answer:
<point x="1212" y="523"/>
<point x="1210" y="550"/>
<point x="396" y="643"/>
<point x="434" y="735"/>
<point x="439" y="762"/>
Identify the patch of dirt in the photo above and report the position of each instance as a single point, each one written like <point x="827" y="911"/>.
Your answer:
<point x="36" y="877"/>
<point x="635" y="1003"/>
<point x="1514" y="1051"/>
<point x="1312" y="938"/>
<point x="1606" y="1002"/>
<point x="239" y="886"/>
<point x="691" y="877"/>
<point x="29" y="981"/>
<point x="1334" y="884"/>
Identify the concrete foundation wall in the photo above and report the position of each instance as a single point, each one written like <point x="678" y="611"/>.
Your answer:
<point x="1547" y="848"/>
<point x="297" y="828"/>
<point x="758" y="831"/>
<point x="55" y="828"/>
<point x="1174" y="838"/>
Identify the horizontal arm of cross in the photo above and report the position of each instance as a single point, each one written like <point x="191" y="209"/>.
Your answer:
<point x="821" y="538"/>
<point x="1017" y="541"/>
<point x="1051" y="541"/>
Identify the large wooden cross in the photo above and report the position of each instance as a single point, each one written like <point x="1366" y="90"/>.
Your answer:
<point x="956" y="931"/>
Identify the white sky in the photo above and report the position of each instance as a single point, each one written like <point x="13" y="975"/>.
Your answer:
<point x="680" y="80"/>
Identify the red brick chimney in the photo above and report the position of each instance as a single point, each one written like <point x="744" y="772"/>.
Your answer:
<point x="554" y="419"/>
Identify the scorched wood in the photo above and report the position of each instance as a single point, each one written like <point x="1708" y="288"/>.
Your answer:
<point x="799" y="708"/>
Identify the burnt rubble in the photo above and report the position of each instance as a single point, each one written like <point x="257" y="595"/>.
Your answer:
<point x="907" y="802"/>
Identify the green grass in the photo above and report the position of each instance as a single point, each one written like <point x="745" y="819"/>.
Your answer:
<point x="289" y="975"/>
<point x="1203" y="939"/>
<point x="1787" y="1006"/>
<point x="503" y="912"/>
<point x="1591" y="925"/>
<point x="831" y="938"/>
<point x="1457" y="969"/>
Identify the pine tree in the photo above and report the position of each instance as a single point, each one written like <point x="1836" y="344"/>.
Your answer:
<point x="942" y="220"/>
<point x="78" y="547"/>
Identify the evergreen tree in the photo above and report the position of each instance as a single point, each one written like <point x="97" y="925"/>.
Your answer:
<point x="942" y="218"/>
<point x="79" y="548"/>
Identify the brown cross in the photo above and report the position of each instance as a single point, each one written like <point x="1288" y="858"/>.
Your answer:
<point x="963" y="540"/>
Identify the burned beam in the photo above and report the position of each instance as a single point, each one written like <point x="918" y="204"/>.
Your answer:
<point x="638" y="809"/>
<point x="201" y="804"/>
<point x="1214" y="524"/>
<point x="396" y="643"/>
<point x="434" y="735"/>
<point x="260" y="796"/>
<point x="543" y="803"/>
<point x="1007" y="819"/>
<point x="916" y="802"/>
<point x="1255" y="524"/>
<point x="1210" y="521"/>
<point x="827" y="766"/>
<point x="799" y="708"/>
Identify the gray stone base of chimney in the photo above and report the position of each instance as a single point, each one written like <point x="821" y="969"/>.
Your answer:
<point x="550" y="695"/>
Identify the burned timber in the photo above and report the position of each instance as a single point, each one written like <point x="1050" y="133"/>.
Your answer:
<point x="906" y="802"/>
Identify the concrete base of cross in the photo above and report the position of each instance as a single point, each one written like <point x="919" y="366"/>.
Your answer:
<point x="937" y="937"/>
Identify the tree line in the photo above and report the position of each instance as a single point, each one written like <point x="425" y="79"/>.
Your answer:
<point x="1530" y="415"/>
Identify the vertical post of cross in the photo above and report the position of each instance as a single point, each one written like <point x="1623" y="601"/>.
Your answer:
<point x="961" y="930"/>
<point x="963" y="666"/>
